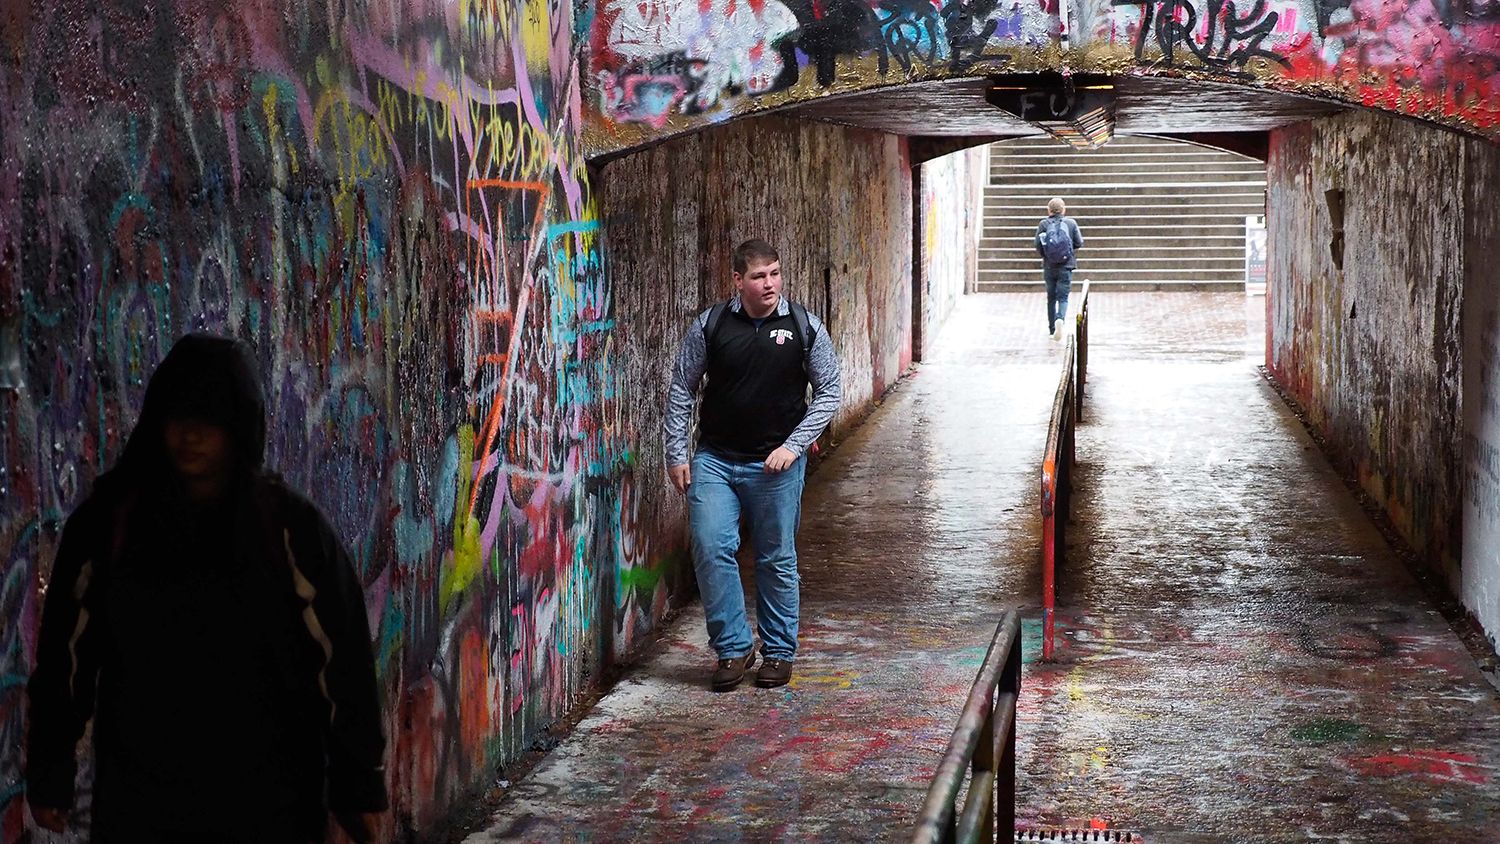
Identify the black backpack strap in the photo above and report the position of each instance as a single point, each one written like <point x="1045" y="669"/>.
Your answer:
<point x="711" y="325"/>
<point x="804" y="327"/>
<point x="799" y="316"/>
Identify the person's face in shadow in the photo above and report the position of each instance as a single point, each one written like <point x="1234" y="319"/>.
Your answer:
<point x="199" y="451"/>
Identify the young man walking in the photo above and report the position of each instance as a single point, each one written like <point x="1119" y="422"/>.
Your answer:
<point x="1058" y="241"/>
<point x="760" y="352"/>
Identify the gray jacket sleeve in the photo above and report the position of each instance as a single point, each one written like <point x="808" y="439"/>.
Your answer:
<point x="1076" y="232"/>
<point x="687" y="374"/>
<point x="823" y="374"/>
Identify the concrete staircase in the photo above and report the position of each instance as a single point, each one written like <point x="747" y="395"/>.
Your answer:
<point x="1155" y="214"/>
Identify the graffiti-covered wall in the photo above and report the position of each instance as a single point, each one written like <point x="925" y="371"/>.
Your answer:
<point x="662" y="66"/>
<point x="388" y="201"/>
<point x="1372" y="246"/>
<point x="952" y="208"/>
<point x="835" y="202"/>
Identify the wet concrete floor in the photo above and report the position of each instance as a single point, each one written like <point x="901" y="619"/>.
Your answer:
<point x="1239" y="652"/>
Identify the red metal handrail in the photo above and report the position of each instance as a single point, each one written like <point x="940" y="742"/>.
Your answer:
<point x="1057" y="463"/>
<point x="1057" y="467"/>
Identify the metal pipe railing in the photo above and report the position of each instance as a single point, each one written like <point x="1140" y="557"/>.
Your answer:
<point x="985" y="744"/>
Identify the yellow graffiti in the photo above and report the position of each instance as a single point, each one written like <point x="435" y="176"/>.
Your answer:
<point x="1075" y="686"/>
<point x="536" y="34"/>
<point x="836" y="680"/>
<point x="1095" y="762"/>
<point x="466" y="562"/>
<point x="402" y="110"/>
<point x="275" y="134"/>
<point x="358" y="139"/>
<point x="485" y="21"/>
<point x="516" y="148"/>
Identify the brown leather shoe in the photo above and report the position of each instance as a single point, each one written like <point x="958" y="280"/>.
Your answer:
<point x="774" y="672"/>
<point x="730" y="672"/>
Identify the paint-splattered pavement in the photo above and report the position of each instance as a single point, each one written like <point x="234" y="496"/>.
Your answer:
<point x="1239" y="652"/>
<point x="1243" y="654"/>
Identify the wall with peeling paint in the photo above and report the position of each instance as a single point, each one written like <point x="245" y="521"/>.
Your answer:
<point x="952" y="204"/>
<point x="389" y="202"/>
<point x="660" y="67"/>
<point x="1481" y="402"/>
<point x="1375" y="345"/>
<point x="835" y="202"/>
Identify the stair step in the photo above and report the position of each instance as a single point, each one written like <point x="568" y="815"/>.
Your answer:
<point x="1123" y="172"/>
<point x="1031" y="204"/>
<point x="1097" y="255"/>
<point x="1116" y="285"/>
<point x="1155" y="214"/>
<point x="1126" y="228"/>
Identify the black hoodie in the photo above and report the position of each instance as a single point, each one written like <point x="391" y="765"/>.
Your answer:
<point x="221" y="648"/>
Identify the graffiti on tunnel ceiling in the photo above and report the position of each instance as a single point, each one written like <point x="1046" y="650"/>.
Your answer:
<point x="660" y="61"/>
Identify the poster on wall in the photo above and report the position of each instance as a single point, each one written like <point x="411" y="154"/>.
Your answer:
<point x="1255" y="256"/>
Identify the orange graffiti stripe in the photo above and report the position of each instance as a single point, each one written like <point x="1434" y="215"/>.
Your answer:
<point x="497" y="410"/>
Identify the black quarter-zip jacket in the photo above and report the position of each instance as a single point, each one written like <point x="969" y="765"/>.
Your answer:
<point x="756" y="393"/>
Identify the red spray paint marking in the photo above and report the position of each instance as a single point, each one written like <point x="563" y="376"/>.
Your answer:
<point x="1438" y="765"/>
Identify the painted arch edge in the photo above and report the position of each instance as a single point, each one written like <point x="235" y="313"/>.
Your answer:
<point x="604" y="139"/>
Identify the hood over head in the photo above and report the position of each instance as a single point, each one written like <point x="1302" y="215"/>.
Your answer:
<point x="206" y="377"/>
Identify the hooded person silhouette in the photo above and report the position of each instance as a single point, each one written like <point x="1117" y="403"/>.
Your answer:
<point x="208" y="620"/>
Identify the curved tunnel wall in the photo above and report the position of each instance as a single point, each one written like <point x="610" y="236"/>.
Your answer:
<point x="660" y="67"/>
<point x="1382" y="323"/>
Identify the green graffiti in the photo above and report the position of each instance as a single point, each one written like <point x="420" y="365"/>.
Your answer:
<point x="1328" y="730"/>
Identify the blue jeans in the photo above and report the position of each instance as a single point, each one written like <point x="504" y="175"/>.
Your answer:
<point x="721" y="490"/>
<point x="1059" y="284"/>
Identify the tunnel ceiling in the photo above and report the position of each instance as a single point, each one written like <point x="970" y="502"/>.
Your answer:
<point x="1143" y="106"/>
<point x="658" y="68"/>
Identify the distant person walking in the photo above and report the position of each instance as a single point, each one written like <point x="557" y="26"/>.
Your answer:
<point x="1058" y="241"/>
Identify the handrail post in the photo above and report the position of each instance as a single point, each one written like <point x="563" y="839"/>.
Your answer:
<point x="984" y="760"/>
<point x="1049" y="555"/>
<point x="1065" y="471"/>
<point x="1005" y="776"/>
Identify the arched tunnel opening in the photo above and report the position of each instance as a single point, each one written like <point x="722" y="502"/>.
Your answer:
<point x="1188" y="519"/>
<point x="465" y="243"/>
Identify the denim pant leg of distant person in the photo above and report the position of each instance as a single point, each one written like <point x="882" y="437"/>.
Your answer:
<point x="1059" y="283"/>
